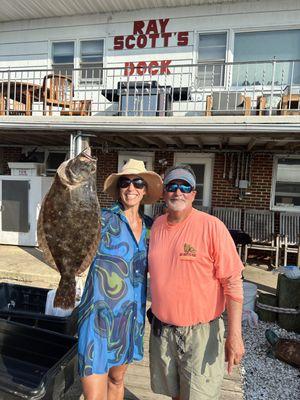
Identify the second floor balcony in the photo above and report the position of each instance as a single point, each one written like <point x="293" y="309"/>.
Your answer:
<point x="154" y="89"/>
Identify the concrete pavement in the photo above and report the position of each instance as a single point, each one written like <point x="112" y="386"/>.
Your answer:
<point x="24" y="265"/>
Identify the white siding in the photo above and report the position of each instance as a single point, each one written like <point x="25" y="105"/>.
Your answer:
<point x="28" y="43"/>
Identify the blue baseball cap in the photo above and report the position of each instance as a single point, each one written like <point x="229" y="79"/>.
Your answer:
<point x="183" y="173"/>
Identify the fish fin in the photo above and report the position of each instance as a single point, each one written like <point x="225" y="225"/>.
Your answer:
<point x="65" y="293"/>
<point x="42" y="241"/>
<point x="90" y="253"/>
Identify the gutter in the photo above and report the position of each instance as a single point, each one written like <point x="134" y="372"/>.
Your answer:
<point x="153" y="125"/>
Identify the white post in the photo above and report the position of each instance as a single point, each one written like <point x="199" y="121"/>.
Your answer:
<point x="71" y="145"/>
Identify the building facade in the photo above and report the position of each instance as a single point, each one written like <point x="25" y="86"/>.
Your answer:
<point x="215" y="84"/>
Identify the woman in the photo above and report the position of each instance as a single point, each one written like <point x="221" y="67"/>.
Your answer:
<point x="112" y="310"/>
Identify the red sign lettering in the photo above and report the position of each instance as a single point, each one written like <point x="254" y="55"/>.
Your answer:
<point x="141" y="67"/>
<point x="151" y="68"/>
<point x="118" y="42"/>
<point x="138" y="27"/>
<point x="163" y="23"/>
<point x="128" y="41"/>
<point x="164" y="67"/>
<point x="183" y="38"/>
<point x="152" y="27"/>
<point x="153" y="71"/>
<point x="152" y="34"/>
<point x="129" y="69"/>
<point x="141" y="41"/>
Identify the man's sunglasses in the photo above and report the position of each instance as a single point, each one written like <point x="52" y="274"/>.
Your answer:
<point x="138" y="183"/>
<point x="183" y="187"/>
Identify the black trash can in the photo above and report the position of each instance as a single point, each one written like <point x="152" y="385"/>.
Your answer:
<point x="26" y="305"/>
<point x="35" y="363"/>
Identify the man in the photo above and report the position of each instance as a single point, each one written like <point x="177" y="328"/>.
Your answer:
<point x="194" y="271"/>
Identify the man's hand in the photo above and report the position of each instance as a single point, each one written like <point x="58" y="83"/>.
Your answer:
<point x="234" y="351"/>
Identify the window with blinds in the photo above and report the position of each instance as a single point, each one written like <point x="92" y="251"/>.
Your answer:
<point x="211" y="58"/>
<point x="287" y="184"/>
<point x="63" y="58"/>
<point x="91" y="60"/>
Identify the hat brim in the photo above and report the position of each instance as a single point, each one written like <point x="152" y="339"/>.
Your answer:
<point x="152" y="179"/>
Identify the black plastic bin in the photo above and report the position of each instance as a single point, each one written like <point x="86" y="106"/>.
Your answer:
<point x="26" y="305"/>
<point x="35" y="363"/>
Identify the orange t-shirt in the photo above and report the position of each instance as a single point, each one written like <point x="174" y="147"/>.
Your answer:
<point x="193" y="266"/>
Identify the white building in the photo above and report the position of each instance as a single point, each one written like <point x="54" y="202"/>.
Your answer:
<point x="211" y="82"/>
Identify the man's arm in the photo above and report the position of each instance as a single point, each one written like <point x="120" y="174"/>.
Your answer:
<point x="234" y="346"/>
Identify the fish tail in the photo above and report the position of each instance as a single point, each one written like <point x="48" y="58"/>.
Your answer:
<point x="65" y="293"/>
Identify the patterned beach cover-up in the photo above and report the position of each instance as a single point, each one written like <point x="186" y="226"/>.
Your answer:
<point x="112" y="310"/>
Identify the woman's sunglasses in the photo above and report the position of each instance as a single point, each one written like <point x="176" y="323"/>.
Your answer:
<point x="183" y="187"/>
<point x="138" y="183"/>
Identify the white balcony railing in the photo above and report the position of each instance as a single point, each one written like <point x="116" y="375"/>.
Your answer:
<point x="248" y="88"/>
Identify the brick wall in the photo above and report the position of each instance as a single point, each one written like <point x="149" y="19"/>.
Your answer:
<point x="107" y="164"/>
<point x="162" y="161"/>
<point x="8" y="154"/>
<point x="225" y="194"/>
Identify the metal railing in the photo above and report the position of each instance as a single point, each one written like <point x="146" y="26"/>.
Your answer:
<point x="244" y="88"/>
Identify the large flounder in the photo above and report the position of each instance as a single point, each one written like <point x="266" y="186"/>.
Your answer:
<point x="69" y="224"/>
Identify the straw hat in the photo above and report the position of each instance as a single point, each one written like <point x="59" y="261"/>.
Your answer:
<point x="136" y="167"/>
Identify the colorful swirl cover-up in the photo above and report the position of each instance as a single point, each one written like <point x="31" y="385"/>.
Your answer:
<point x="112" y="310"/>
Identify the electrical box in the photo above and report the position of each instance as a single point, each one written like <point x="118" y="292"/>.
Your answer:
<point x="243" y="184"/>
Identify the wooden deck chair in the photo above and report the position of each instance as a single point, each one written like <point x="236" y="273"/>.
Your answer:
<point x="289" y="229"/>
<point x="228" y="103"/>
<point x="78" y="107"/>
<point x="259" y="225"/>
<point x="205" y="209"/>
<point x="158" y="209"/>
<point x="57" y="91"/>
<point x="15" y="107"/>
<point x="232" y="218"/>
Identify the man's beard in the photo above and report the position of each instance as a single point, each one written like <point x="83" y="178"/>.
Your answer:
<point x="178" y="205"/>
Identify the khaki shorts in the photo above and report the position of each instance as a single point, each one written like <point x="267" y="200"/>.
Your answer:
<point x="188" y="361"/>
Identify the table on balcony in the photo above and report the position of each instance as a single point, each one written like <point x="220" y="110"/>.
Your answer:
<point x="290" y="104"/>
<point x="22" y="95"/>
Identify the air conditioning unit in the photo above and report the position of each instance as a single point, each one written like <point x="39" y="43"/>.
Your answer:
<point x="295" y="89"/>
<point x="26" y="168"/>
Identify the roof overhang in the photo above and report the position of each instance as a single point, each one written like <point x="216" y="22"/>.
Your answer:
<point x="35" y="9"/>
<point x="183" y="133"/>
<point x="174" y="125"/>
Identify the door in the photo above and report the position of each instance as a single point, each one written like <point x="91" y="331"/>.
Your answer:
<point x="148" y="160"/>
<point x="17" y="211"/>
<point x="202" y="165"/>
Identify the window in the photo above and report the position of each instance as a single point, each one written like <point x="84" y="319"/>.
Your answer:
<point x="267" y="46"/>
<point x="91" y="60"/>
<point x="63" y="58"/>
<point x="287" y="183"/>
<point x="211" y="58"/>
<point x="53" y="161"/>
